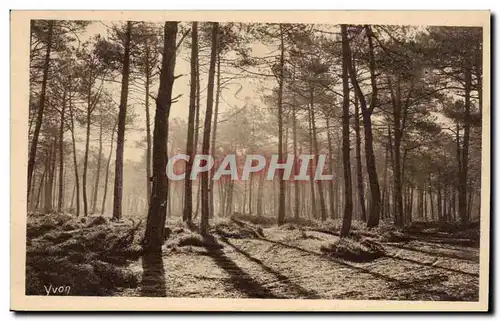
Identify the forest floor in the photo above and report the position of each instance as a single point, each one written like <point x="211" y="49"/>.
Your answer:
<point x="287" y="262"/>
<point x="246" y="257"/>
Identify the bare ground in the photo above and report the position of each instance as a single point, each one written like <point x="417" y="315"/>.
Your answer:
<point x="288" y="264"/>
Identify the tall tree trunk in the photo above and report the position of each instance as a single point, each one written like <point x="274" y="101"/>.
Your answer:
<point x="250" y="194"/>
<point x="50" y="178"/>
<point x="40" y="188"/>
<point x="260" y="194"/>
<point x="371" y="168"/>
<point x="296" y="190"/>
<point x="359" y="168"/>
<point x="214" y="136"/>
<point x="322" y="205"/>
<point x="385" y="197"/>
<point x="106" y="177"/>
<point x="120" y="137"/>
<point x="86" y="155"/>
<point x="75" y="162"/>
<point x="98" y="169"/>
<point x="155" y="226"/>
<point x="41" y="106"/>
<point x="331" y="196"/>
<point x="60" y="203"/>
<point x="148" y="125"/>
<point x="281" y="80"/>
<point x="187" y="215"/>
<point x="311" y="175"/>
<point x="346" y="221"/>
<point x="463" y="175"/>
<point x="205" y="206"/>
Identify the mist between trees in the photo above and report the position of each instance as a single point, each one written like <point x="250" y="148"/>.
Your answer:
<point x="395" y="109"/>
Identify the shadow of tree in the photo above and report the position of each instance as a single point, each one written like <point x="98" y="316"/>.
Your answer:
<point x="417" y="286"/>
<point x="300" y="291"/>
<point x="466" y="257"/>
<point x="153" y="277"/>
<point x="239" y="278"/>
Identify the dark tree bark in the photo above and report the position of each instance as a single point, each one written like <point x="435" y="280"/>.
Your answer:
<point x="322" y="205"/>
<point x="41" y="105"/>
<point x="281" y="207"/>
<point x="463" y="174"/>
<point x="260" y="190"/>
<point x="75" y="162"/>
<point x="214" y="136"/>
<point x="86" y="155"/>
<point x="51" y="161"/>
<point x="397" y="164"/>
<point x="346" y="221"/>
<point x="374" y="216"/>
<point x="296" y="209"/>
<point x="205" y="206"/>
<point x="98" y="169"/>
<point x="311" y="164"/>
<point x="60" y="203"/>
<point x="155" y="226"/>
<point x="40" y="188"/>
<point x="148" y="70"/>
<point x="359" y="168"/>
<point x="330" y="167"/>
<point x="120" y="137"/>
<point x="190" y="148"/>
<point x="106" y="177"/>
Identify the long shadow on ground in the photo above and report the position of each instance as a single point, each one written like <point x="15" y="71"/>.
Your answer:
<point x="465" y="257"/>
<point x="417" y="286"/>
<point x="239" y="278"/>
<point x="300" y="291"/>
<point x="153" y="277"/>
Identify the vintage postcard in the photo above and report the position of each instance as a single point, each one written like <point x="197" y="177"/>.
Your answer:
<point x="250" y="160"/>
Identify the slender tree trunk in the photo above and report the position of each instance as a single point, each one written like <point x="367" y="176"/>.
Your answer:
<point x="359" y="168"/>
<point x="250" y="194"/>
<point x="98" y="169"/>
<point x="155" y="226"/>
<point x="41" y="106"/>
<point x="311" y="175"/>
<point x="120" y="138"/>
<point x="75" y="163"/>
<point x="106" y="177"/>
<point x="205" y="206"/>
<point x="60" y="203"/>
<point x="40" y="188"/>
<point x="431" y="202"/>
<point x="331" y="190"/>
<point x="386" y="190"/>
<point x="214" y="136"/>
<point x="50" y="178"/>
<point x="281" y="80"/>
<point x="322" y="205"/>
<point x="187" y="215"/>
<point x="463" y="175"/>
<point x="296" y="185"/>
<point x="346" y="221"/>
<point x="371" y="168"/>
<point x="148" y="125"/>
<point x="260" y="194"/>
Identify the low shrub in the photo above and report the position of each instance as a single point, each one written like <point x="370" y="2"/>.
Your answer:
<point x="237" y="229"/>
<point x="351" y="250"/>
<point x="394" y="237"/>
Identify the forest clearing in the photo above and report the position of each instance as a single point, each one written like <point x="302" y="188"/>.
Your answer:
<point x="387" y="205"/>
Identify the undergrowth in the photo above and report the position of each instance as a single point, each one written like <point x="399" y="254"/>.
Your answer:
<point x="89" y="256"/>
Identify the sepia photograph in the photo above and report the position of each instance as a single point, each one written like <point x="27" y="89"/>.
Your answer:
<point x="341" y="160"/>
